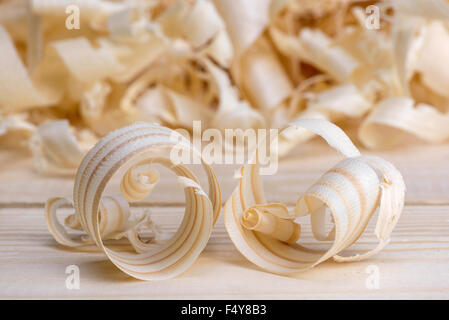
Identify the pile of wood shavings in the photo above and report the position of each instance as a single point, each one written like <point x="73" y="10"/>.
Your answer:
<point x="231" y="64"/>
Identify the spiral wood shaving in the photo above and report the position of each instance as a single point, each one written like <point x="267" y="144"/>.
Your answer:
<point x="108" y="217"/>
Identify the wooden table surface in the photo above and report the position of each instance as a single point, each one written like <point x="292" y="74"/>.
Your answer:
<point x="414" y="265"/>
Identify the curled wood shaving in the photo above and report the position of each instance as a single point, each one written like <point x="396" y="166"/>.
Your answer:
<point x="17" y="90"/>
<point x="108" y="217"/>
<point x="250" y="16"/>
<point x="351" y="192"/>
<point x="273" y="220"/>
<point x="393" y="118"/>
<point x="260" y="69"/>
<point x="57" y="148"/>
<point x="15" y="130"/>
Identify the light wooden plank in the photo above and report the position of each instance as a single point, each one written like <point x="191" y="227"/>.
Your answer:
<point x="414" y="265"/>
<point x="425" y="169"/>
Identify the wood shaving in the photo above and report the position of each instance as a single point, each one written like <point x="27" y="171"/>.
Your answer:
<point x="351" y="192"/>
<point x="105" y="217"/>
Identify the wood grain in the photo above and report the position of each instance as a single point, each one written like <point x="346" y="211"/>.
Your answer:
<point x="425" y="169"/>
<point x="414" y="265"/>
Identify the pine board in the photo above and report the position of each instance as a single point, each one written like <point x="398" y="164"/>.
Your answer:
<point x="414" y="265"/>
